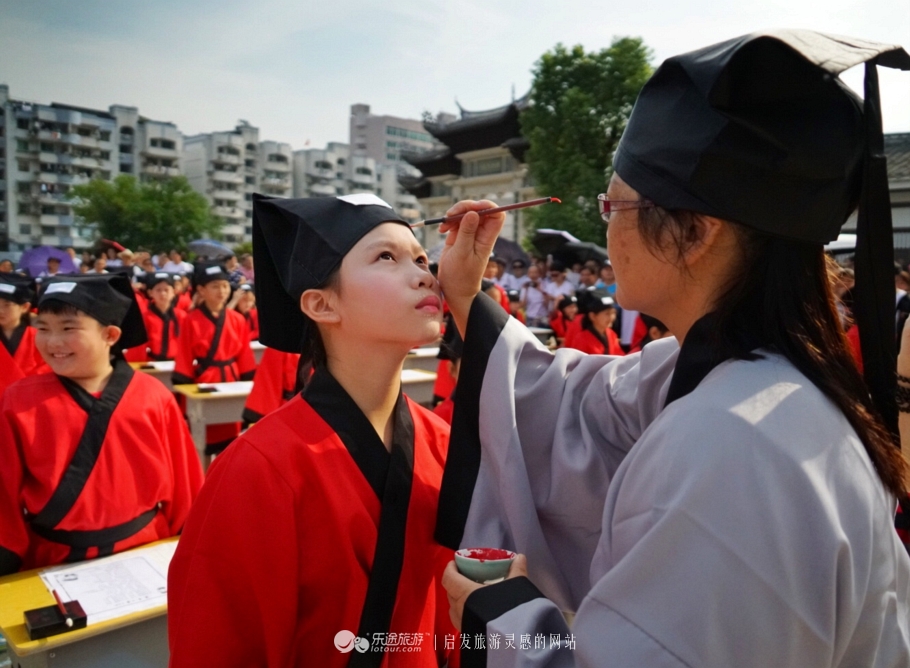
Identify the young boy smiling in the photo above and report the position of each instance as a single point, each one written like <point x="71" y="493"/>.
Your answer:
<point x="96" y="458"/>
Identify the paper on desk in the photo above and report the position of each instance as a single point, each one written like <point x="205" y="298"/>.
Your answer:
<point x="165" y="365"/>
<point x="416" y="375"/>
<point x="424" y="352"/>
<point x="115" y="586"/>
<point x="239" y="387"/>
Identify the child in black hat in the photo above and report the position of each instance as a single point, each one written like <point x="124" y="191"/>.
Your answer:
<point x="98" y="457"/>
<point x="315" y="530"/>
<point x="163" y="318"/>
<point x="214" y="345"/>
<point x="16" y="334"/>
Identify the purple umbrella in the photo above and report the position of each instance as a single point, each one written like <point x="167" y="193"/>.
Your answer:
<point x="34" y="260"/>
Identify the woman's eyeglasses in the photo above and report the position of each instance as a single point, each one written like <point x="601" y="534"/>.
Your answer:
<point x="608" y="206"/>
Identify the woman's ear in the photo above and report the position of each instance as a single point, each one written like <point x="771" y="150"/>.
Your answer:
<point x="706" y="235"/>
<point x="319" y="306"/>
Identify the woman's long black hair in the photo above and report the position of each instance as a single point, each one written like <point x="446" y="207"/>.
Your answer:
<point x="782" y="295"/>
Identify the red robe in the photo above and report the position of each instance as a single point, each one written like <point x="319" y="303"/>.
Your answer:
<point x="277" y="553"/>
<point x="158" y="347"/>
<point x="9" y="370"/>
<point x="573" y="329"/>
<point x="274" y="384"/>
<point x="560" y="325"/>
<point x="21" y="346"/>
<point x="147" y="469"/>
<point x="184" y="301"/>
<point x="445" y="410"/>
<point x="586" y="342"/>
<point x="232" y="361"/>
<point x="252" y="321"/>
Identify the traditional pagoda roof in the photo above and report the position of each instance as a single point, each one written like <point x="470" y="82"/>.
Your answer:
<point x="418" y="186"/>
<point x="474" y="131"/>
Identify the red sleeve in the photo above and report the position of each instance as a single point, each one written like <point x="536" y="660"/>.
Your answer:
<point x="614" y="347"/>
<point x="13" y="534"/>
<point x="504" y="299"/>
<point x="183" y="362"/>
<point x="853" y="345"/>
<point x="572" y="331"/>
<point x="268" y="386"/>
<point x="9" y="370"/>
<point x="232" y="594"/>
<point x="137" y="354"/>
<point x="558" y="325"/>
<point x="185" y="465"/>
<point x="246" y="361"/>
<point x="254" y="325"/>
<point x="445" y="410"/>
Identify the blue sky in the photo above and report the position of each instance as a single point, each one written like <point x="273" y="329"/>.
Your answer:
<point x="294" y="67"/>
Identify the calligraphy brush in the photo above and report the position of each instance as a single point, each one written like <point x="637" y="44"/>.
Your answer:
<point x="485" y="212"/>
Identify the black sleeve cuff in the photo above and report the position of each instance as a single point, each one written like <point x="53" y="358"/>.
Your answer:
<point x="486" y="321"/>
<point x="485" y="605"/>
<point x="250" y="416"/>
<point x="248" y="375"/>
<point x="10" y="562"/>
<point x="180" y="379"/>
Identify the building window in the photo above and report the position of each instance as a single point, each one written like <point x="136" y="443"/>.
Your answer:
<point x="126" y="169"/>
<point x="22" y="123"/>
<point x="23" y="165"/>
<point x="249" y="214"/>
<point x="25" y="229"/>
<point x="104" y="135"/>
<point x="48" y="231"/>
<point x="248" y="230"/>
<point x="248" y="197"/>
<point x="322" y="164"/>
<point x="364" y="170"/>
<point x="24" y="187"/>
<point x="251" y="180"/>
<point x="21" y="145"/>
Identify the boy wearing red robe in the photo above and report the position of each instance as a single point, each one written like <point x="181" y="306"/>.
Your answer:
<point x="17" y="293"/>
<point x="214" y="346"/>
<point x="276" y="383"/>
<point x="96" y="458"/>
<point x="314" y="533"/>
<point x="162" y="318"/>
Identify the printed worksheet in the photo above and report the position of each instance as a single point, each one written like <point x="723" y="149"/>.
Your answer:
<point x="115" y="586"/>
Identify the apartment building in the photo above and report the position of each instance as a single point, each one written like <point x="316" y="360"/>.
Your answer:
<point x="45" y="149"/>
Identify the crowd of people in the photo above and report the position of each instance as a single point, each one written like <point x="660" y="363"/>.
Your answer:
<point x="713" y="483"/>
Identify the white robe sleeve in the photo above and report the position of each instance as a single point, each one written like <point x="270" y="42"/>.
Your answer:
<point x="536" y="439"/>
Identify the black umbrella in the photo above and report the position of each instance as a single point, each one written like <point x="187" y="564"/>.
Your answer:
<point x="509" y="251"/>
<point x="548" y="242"/>
<point x="580" y="251"/>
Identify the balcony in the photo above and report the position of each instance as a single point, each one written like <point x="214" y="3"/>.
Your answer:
<point x="160" y="170"/>
<point x="322" y="189"/>
<point x="225" y="158"/>
<point x="54" y="220"/>
<point x="233" y="195"/>
<point x="277" y="166"/>
<point x="232" y="229"/>
<point x="275" y="182"/>
<point x="52" y="198"/>
<point x="220" y="176"/>
<point x="228" y="211"/>
<point x="159" y="152"/>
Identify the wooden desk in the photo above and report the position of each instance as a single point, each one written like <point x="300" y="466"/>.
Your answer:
<point x="137" y="640"/>
<point x="160" y="370"/>
<point x="422" y="358"/>
<point x="258" y="350"/>
<point x="418" y="384"/>
<point x="202" y="409"/>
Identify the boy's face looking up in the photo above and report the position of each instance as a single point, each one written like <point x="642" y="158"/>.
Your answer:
<point x="74" y="344"/>
<point x="215" y="294"/>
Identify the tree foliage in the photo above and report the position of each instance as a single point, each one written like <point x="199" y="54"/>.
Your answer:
<point x="155" y="215"/>
<point x="580" y="103"/>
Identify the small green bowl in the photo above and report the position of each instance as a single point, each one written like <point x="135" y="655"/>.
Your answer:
<point x="483" y="564"/>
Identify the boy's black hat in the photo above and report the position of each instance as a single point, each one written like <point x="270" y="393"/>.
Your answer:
<point x="297" y="244"/>
<point x="206" y="272"/>
<point x="153" y="278"/>
<point x="108" y="298"/>
<point x="17" y="288"/>
<point x="760" y="130"/>
<point x="597" y="301"/>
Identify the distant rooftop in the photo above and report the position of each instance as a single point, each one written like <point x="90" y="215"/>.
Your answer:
<point x="897" y="151"/>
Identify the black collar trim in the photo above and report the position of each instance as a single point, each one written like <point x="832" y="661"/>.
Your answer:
<point x="335" y="406"/>
<point x="12" y="343"/>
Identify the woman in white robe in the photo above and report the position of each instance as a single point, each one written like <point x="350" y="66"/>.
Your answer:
<point x="726" y="503"/>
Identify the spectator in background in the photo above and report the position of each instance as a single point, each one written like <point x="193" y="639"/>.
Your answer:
<point x="128" y="259"/>
<point x="99" y="266"/>
<point x="111" y="257"/>
<point x="6" y="266"/>
<point x="566" y="312"/>
<point x="587" y="277"/>
<point x="558" y="286"/>
<point x="607" y="280"/>
<point x="534" y="300"/>
<point x="573" y="273"/>
<point x="517" y="277"/>
<point x="246" y="268"/>
<point x="176" y="265"/>
<point x="53" y="267"/>
<point x="233" y="267"/>
<point x="77" y="261"/>
<point x="500" y="271"/>
<point x="655" y="330"/>
<point x="86" y="261"/>
<point x="515" y="309"/>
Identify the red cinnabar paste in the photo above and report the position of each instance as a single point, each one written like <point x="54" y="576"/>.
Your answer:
<point x="487" y="553"/>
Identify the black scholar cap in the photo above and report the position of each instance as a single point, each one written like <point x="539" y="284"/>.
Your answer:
<point x="759" y="130"/>
<point x="153" y="278"/>
<point x="108" y="298"/>
<point x="17" y="288"/>
<point x="297" y="244"/>
<point x="206" y="272"/>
